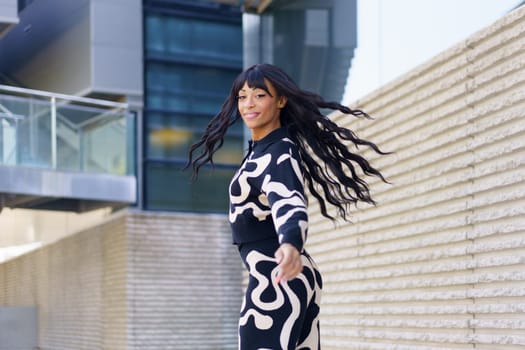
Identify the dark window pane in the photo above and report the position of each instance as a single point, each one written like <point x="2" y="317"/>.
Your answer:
<point x="221" y="39"/>
<point x="155" y="33"/>
<point x="190" y="64"/>
<point x="174" y="35"/>
<point x="168" y="188"/>
<point x="180" y="34"/>
<point x="175" y="144"/>
<point x="178" y="87"/>
<point x="171" y="135"/>
<point x="181" y="78"/>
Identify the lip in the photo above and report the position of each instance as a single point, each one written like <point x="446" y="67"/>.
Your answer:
<point x="251" y="115"/>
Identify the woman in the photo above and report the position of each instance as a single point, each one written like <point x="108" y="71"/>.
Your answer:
<point x="292" y="145"/>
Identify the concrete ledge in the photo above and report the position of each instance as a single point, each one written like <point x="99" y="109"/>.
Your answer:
<point x="23" y="187"/>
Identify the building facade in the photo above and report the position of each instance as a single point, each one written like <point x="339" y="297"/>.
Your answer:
<point x="438" y="264"/>
<point x="99" y="102"/>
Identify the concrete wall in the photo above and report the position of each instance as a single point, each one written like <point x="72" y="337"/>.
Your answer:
<point x="8" y="10"/>
<point x="137" y="281"/>
<point x="77" y="47"/>
<point x="8" y="15"/>
<point x="56" y="53"/>
<point x="19" y="328"/>
<point x="440" y="262"/>
<point x="116" y="47"/>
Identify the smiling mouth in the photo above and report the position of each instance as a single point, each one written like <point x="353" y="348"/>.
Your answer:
<point x="251" y="115"/>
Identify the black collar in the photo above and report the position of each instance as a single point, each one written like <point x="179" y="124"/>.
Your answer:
<point x="272" y="137"/>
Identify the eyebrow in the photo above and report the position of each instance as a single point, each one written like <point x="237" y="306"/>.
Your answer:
<point x="255" y="88"/>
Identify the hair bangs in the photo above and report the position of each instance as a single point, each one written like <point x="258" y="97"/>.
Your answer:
<point x="254" y="78"/>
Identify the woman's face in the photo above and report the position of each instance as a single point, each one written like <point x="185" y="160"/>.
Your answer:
<point x="260" y="110"/>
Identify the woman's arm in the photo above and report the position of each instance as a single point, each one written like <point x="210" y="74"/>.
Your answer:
<point x="284" y="188"/>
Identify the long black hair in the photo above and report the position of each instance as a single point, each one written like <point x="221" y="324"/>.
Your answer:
<point x="330" y="169"/>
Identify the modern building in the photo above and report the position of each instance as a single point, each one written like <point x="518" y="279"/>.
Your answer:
<point x="96" y="104"/>
<point x="99" y="102"/>
<point x="313" y="41"/>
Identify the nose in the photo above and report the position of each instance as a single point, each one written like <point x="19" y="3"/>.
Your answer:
<point x="250" y="101"/>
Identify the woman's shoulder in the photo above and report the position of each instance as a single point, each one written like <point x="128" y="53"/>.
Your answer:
<point x="284" y="147"/>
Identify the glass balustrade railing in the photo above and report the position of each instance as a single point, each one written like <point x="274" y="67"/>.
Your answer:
<point x="67" y="133"/>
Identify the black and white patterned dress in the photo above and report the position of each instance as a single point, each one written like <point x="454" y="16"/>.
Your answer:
<point x="267" y="208"/>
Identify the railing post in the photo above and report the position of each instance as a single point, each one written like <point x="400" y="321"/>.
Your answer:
<point x="53" y="133"/>
<point x="81" y="150"/>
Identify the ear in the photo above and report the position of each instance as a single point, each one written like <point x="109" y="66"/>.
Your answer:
<point x="282" y="102"/>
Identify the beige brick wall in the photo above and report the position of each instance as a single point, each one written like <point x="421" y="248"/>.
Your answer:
<point x="75" y="287"/>
<point x="137" y="281"/>
<point x="440" y="262"/>
<point x="184" y="282"/>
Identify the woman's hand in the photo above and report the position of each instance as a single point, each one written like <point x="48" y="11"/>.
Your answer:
<point x="290" y="263"/>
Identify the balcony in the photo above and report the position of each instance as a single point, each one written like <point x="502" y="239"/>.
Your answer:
<point x="61" y="152"/>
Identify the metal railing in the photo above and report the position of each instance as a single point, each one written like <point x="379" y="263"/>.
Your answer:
<point x="64" y="132"/>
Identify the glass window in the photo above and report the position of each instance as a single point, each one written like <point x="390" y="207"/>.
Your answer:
<point x="171" y="136"/>
<point x="154" y="33"/>
<point x="174" y="35"/>
<point x="191" y="62"/>
<point x="170" y="188"/>
<point x="190" y="79"/>
<point x="224" y="39"/>
<point x="180" y="87"/>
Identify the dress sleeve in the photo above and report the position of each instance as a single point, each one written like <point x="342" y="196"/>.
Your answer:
<point x="284" y="188"/>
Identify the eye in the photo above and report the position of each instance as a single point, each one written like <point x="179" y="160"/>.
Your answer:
<point x="260" y="95"/>
<point x="240" y="98"/>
